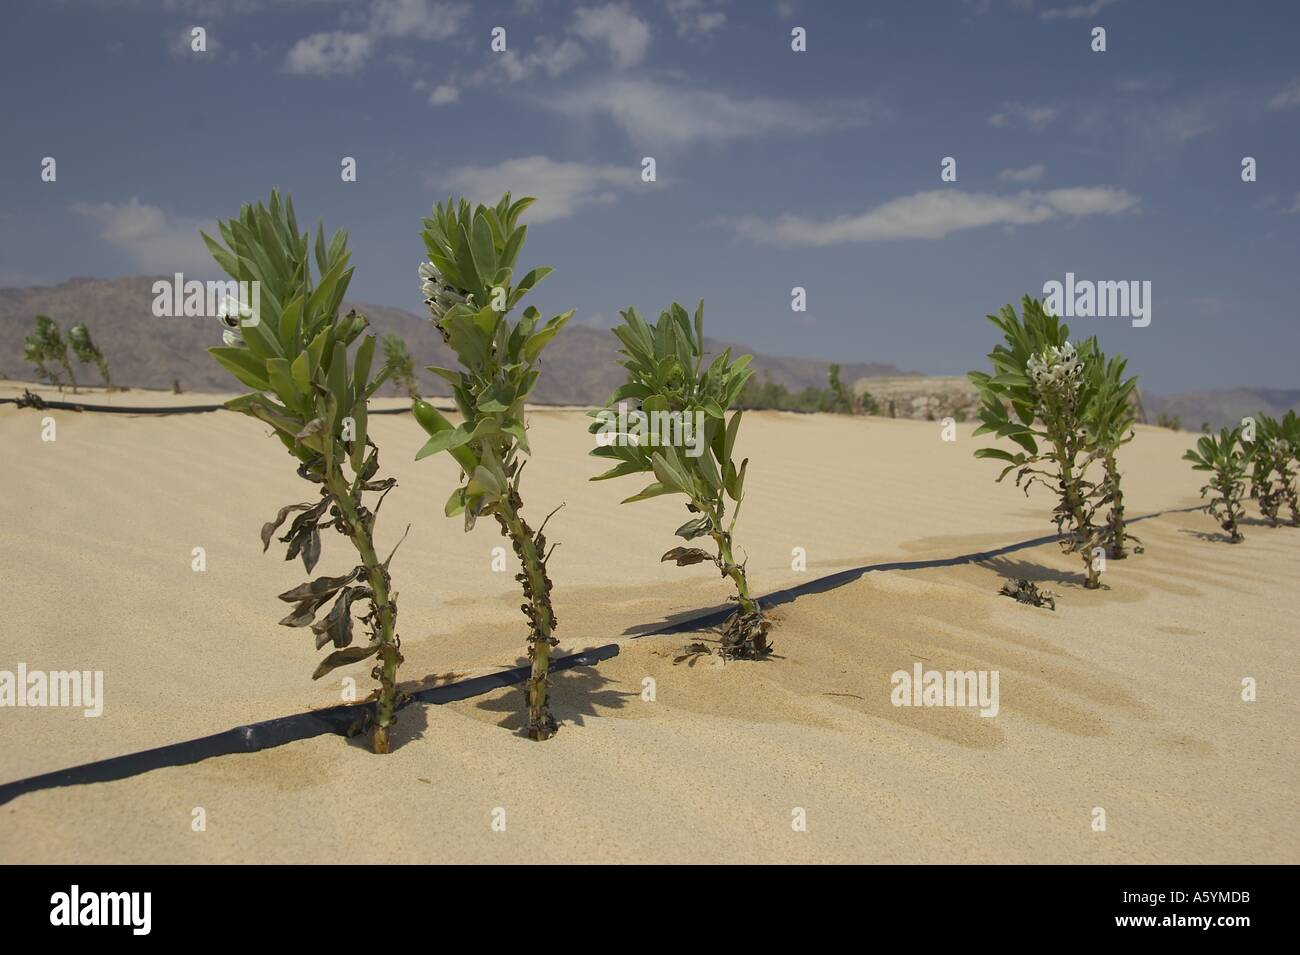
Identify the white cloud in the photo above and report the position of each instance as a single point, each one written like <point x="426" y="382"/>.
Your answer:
<point x="661" y="116"/>
<point x="443" y="94"/>
<point x="556" y="58"/>
<point x="1295" y="206"/>
<point x="1031" y="173"/>
<point x="1147" y="129"/>
<point x="695" y="18"/>
<point x="324" y="53"/>
<point x="421" y="19"/>
<point x="340" y="51"/>
<point x="551" y="57"/>
<point x="786" y="9"/>
<point x="561" y="188"/>
<point x="1077" y="11"/>
<point x="155" y="241"/>
<point x="936" y="214"/>
<point x="1287" y="98"/>
<point x="614" y="24"/>
<point x="1035" y="117"/>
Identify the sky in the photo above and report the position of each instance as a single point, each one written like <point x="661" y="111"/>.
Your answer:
<point x="774" y="168"/>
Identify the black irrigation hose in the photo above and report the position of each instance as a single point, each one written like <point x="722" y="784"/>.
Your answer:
<point x="276" y="732"/>
<point x="840" y="578"/>
<point x="179" y="409"/>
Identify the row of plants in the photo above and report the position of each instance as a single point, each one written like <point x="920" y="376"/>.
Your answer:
<point x="311" y="374"/>
<point x="1066" y="408"/>
<point x="47" y="350"/>
<point x="1263" y="450"/>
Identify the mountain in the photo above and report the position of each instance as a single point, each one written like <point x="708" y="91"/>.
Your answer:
<point x="579" y="367"/>
<point x="1221" y="408"/>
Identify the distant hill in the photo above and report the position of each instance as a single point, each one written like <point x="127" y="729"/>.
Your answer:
<point x="1221" y="408"/>
<point x="148" y="352"/>
<point x="580" y="366"/>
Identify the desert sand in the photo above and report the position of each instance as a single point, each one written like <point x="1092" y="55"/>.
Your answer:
<point x="1127" y="699"/>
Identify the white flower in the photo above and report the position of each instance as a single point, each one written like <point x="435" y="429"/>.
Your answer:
<point x="232" y="314"/>
<point x="1057" y="371"/>
<point x="438" y="295"/>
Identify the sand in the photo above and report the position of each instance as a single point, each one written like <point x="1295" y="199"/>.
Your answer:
<point x="1126" y="699"/>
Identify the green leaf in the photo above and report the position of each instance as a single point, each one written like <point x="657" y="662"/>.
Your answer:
<point x="620" y="469"/>
<point x="456" y="503"/>
<point x="999" y="455"/>
<point x="736" y="484"/>
<point x="649" y="491"/>
<point x="361" y="366"/>
<point x="283" y="385"/>
<point x="241" y="363"/>
<point x="538" y="340"/>
<point x="482" y="483"/>
<point x="483" y="251"/>
<point x="444" y="441"/>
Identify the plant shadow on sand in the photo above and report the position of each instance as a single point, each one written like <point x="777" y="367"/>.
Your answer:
<point x="1208" y="536"/>
<point x="687" y="621"/>
<point x="1264" y="522"/>
<point x="1034" y="573"/>
<point x="575" y="695"/>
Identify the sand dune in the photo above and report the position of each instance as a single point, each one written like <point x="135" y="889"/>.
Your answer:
<point x="1126" y="699"/>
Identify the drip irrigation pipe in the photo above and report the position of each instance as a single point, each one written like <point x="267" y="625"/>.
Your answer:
<point x="127" y="409"/>
<point x="278" y="731"/>
<point x="840" y="578"/>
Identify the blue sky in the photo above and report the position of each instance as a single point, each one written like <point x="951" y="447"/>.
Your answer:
<point x="775" y="169"/>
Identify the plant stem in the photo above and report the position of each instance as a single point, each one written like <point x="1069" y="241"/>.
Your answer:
<point x="377" y="577"/>
<point x="537" y="590"/>
<point x="732" y="570"/>
<point x="1226" y="488"/>
<point x="1074" y="503"/>
<point x="1116" y="516"/>
<point x="752" y="631"/>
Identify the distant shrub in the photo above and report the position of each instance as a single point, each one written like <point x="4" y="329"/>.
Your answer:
<point x="88" y="352"/>
<point x="838" y="398"/>
<point x="401" y="369"/>
<point x="45" y="347"/>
